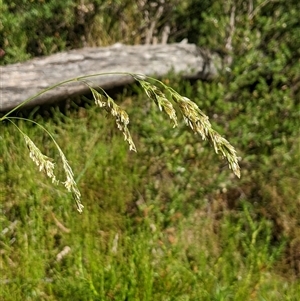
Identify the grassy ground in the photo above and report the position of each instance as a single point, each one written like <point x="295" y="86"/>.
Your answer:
<point x="156" y="224"/>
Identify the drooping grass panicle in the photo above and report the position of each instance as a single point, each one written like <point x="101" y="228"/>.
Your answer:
<point x="120" y="115"/>
<point x="200" y="124"/>
<point x="70" y="183"/>
<point x="193" y="117"/>
<point x="43" y="162"/>
<point x="98" y="97"/>
<point x="46" y="165"/>
<point x="155" y="94"/>
<point x="226" y="149"/>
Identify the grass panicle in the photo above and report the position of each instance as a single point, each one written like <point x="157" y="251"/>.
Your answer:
<point x="121" y="117"/>
<point x="159" y="98"/>
<point x="192" y="115"/>
<point x="70" y="183"/>
<point x="46" y="165"/>
<point x="200" y="124"/>
<point x="43" y="162"/>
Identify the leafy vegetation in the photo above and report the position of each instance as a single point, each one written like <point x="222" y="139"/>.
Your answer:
<point x="169" y="222"/>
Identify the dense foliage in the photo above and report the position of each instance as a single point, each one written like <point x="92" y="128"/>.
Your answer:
<point x="168" y="223"/>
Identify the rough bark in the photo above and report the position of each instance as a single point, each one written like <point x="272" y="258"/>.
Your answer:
<point x="23" y="80"/>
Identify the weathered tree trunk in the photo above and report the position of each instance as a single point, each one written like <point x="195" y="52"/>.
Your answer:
<point x="23" y="80"/>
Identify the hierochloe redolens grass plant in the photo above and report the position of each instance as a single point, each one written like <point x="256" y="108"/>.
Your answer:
<point x="165" y="98"/>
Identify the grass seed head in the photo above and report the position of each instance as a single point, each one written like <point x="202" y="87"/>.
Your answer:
<point x="120" y="115"/>
<point x="160" y="100"/>
<point x="199" y="123"/>
<point x="43" y="162"/>
<point x="70" y="183"/>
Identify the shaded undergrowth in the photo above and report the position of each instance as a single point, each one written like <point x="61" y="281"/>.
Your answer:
<point x="167" y="223"/>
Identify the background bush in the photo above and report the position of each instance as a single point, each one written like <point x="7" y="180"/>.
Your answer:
<point x="170" y="222"/>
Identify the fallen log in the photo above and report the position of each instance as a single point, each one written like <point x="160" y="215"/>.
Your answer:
<point x="22" y="80"/>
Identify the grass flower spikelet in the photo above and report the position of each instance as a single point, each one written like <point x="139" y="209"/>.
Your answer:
<point x="160" y="99"/>
<point x="200" y="124"/>
<point x="121" y="117"/>
<point x="42" y="161"/>
<point x="193" y="117"/>
<point x="70" y="183"/>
